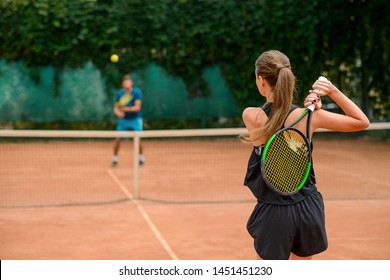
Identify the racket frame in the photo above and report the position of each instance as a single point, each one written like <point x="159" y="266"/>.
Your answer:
<point x="127" y="99"/>
<point x="307" y="140"/>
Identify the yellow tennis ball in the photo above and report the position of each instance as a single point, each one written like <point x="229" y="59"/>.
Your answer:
<point x="114" y="58"/>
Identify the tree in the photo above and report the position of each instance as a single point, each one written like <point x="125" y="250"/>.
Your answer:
<point x="345" y="40"/>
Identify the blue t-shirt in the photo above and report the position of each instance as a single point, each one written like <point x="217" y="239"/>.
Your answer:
<point x="135" y="94"/>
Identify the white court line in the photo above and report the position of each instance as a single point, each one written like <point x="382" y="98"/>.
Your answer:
<point x="146" y="217"/>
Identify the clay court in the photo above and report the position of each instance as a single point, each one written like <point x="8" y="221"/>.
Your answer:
<point x="63" y="200"/>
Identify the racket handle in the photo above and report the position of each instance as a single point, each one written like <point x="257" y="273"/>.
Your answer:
<point x="311" y="107"/>
<point x="322" y="78"/>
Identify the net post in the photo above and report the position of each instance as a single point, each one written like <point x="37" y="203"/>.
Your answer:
<point x="136" y="141"/>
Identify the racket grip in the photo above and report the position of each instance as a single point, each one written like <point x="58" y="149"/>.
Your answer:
<point x="311" y="107"/>
<point x="322" y="78"/>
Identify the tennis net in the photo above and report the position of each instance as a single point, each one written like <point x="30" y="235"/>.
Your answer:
<point x="64" y="168"/>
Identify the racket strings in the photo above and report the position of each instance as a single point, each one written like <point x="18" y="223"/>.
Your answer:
<point x="124" y="100"/>
<point x="286" y="161"/>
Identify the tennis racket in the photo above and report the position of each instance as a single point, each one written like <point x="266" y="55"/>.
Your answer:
<point x="286" y="158"/>
<point x="124" y="100"/>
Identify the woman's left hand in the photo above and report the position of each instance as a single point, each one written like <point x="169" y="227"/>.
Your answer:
<point x="313" y="98"/>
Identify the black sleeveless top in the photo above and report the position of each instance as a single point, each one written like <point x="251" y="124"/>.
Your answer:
<point x="259" y="188"/>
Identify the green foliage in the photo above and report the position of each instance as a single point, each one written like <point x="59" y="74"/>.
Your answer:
<point x="347" y="40"/>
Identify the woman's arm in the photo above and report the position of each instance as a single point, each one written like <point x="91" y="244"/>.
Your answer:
<point x="352" y="120"/>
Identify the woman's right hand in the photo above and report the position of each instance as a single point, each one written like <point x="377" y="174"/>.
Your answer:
<point x="323" y="87"/>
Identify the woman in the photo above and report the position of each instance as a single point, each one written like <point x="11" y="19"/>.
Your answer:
<point x="293" y="226"/>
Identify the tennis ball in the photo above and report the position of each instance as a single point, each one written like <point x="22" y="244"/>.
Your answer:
<point x="114" y="58"/>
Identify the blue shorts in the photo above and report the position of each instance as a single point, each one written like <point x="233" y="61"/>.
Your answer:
<point x="129" y="125"/>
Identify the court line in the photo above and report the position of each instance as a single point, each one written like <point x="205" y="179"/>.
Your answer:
<point x="146" y="217"/>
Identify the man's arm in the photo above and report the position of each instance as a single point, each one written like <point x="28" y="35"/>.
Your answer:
<point x="117" y="111"/>
<point x="134" y="109"/>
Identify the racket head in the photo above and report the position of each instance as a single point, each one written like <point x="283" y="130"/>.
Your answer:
<point x="286" y="161"/>
<point x="124" y="100"/>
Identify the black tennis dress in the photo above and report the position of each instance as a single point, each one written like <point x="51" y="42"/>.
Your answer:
<point x="282" y="224"/>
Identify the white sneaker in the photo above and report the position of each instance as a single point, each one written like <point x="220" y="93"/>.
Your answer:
<point x="141" y="160"/>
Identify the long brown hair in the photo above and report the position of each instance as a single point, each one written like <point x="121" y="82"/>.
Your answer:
<point x="274" y="66"/>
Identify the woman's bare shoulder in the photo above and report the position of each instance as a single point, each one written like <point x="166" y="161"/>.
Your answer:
<point x="253" y="117"/>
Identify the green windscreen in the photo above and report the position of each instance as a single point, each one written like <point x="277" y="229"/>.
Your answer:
<point x="44" y="95"/>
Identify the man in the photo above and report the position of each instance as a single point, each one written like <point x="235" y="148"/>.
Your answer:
<point x="127" y="108"/>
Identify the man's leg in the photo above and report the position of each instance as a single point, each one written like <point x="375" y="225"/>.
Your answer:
<point x="117" y="145"/>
